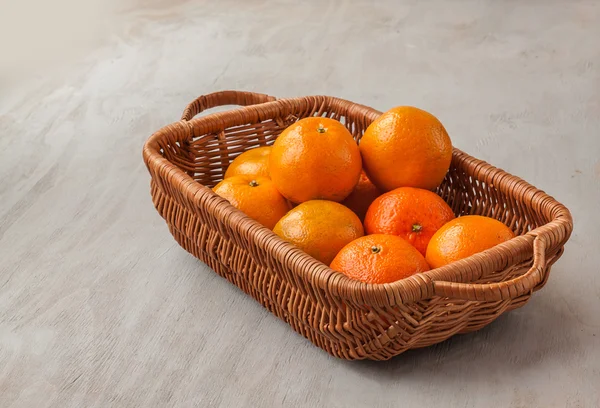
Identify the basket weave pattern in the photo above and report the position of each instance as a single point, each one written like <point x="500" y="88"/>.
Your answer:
<point x="347" y="318"/>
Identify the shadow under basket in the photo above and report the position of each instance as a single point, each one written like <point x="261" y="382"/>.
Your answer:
<point x="346" y="318"/>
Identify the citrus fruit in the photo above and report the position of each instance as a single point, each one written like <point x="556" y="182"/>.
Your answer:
<point x="411" y="213"/>
<point x="255" y="196"/>
<point x="379" y="258"/>
<point x="320" y="228"/>
<point x="406" y="146"/>
<point x="362" y="196"/>
<point x="253" y="162"/>
<point x="465" y="236"/>
<point x="315" y="158"/>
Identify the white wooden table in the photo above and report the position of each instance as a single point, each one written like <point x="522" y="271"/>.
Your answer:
<point x="100" y="308"/>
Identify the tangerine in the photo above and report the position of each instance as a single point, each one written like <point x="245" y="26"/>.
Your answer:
<point x="379" y="258"/>
<point x="406" y="146"/>
<point x="362" y="196"/>
<point x="257" y="197"/>
<point x="411" y="213"/>
<point x="320" y="228"/>
<point x="253" y="162"/>
<point x="465" y="236"/>
<point x="315" y="158"/>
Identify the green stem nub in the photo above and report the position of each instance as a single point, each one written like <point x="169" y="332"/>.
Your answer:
<point x="253" y="183"/>
<point x="321" y="129"/>
<point x="417" y="228"/>
<point x="375" y="249"/>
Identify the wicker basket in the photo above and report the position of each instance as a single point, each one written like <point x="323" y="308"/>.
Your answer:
<point x="346" y="318"/>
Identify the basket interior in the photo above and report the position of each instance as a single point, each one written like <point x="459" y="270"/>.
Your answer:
<point x="206" y="153"/>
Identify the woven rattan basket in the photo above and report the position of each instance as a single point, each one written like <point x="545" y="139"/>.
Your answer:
<point x="346" y="318"/>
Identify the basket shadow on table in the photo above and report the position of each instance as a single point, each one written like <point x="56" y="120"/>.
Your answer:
<point x="518" y="340"/>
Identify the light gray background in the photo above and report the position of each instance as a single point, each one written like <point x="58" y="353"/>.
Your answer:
<point x="98" y="305"/>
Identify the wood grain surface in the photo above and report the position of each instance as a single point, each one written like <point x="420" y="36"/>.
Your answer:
<point x="100" y="308"/>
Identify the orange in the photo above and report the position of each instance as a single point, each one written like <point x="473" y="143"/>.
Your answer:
<point x="315" y="158"/>
<point x="255" y="196"/>
<point x="411" y="213"/>
<point x="465" y="236"/>
<point x="404" y="147"/>
<point x="320" y="228"/>
<point x="253" y="162"/>
<point x="379" y="258"/>
<point x="362" y="196"/>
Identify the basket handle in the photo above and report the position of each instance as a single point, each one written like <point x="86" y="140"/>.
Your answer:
<point x="212" y="100"/>
<point x="501" y="290"/>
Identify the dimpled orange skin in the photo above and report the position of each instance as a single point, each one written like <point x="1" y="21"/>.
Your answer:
<point x="257" y="197"/>
<point x="465" y="236"/>
<point x="315" y="159"/>
<point x="379" y="258"/>
<point x="362" y="196"/>
<point x="253" y="162"/>
<point x="406" y="146"/>
<point x="320" y="228"/>
<point x="411" y="213"/>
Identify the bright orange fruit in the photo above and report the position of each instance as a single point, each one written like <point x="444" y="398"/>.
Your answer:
<point x="406" y="146"/>
<point x="320" y="228"/>
<point x="253" y="162"/>
<point x="315" y="158"/>
<point x="411" y="213"/>
<point x="379" y="259"/>
<point x="465" y="236"/>
<point x="255" y="196"/>
<point x="362" y="196"/>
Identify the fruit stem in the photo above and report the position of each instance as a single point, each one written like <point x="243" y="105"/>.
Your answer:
<point x="375" y="249"/>
<point x="417" y="228"/>
<point x="321" y="129"/>
<point x="253" y="183"/>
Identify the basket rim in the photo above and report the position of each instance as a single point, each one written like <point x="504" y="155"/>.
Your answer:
<point x="414" y="288"/>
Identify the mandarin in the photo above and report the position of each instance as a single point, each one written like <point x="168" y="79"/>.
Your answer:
<point x="411" y="213"/>
<point x="315" y="158"/>
<point x="379" y="258"/>
<point x="362" y="196"/>
<point x="320" y="228"/>
<point x="257" y="197"/>
<point x="406" y="146"/>
<point x="253" y="162"/>
<point x="465" y="236"/>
